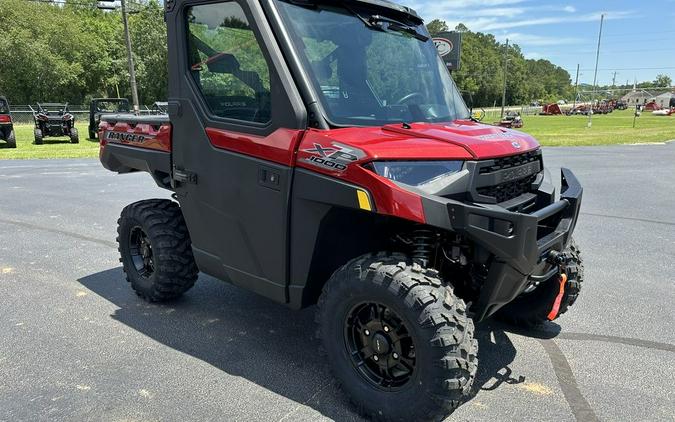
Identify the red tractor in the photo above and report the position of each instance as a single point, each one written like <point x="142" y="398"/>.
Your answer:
<point x="320" y="154"/>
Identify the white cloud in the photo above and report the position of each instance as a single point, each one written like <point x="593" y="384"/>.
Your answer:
<point x="569" y="9"/>
<point x="494" y="23"/>
<point x="532" y="55"/>
<point x="537" y="40"/>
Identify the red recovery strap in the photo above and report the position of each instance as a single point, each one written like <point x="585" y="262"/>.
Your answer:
<point x="556" y="303"/>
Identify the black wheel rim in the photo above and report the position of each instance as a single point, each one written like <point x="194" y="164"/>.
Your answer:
<point x="380" y="346"/>
<point x="140" y="250"/>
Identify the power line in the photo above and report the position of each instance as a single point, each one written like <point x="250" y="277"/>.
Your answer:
<point x="624" y="68"/>
<point x="641" y="32"/>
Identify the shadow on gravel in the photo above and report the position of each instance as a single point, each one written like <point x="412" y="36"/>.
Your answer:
<point x="249" y="336"/>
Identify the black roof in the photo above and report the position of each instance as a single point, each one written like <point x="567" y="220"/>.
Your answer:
<point x="112" y="100"/>
<point x="385" y="4"/>
<point x="389" y="5"/>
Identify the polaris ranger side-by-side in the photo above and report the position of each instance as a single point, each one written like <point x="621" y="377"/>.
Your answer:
<point x="320" y="153"/>
<point x="6" y="124"/>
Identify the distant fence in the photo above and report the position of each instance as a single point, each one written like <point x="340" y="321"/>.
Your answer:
<point x="21" y="114"/>
<point x="494" y="113"/>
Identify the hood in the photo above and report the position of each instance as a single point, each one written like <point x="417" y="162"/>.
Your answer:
<point x="461" y="139"/>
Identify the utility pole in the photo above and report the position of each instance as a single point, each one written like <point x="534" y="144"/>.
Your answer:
<point x="130" y="59"/>
<point x="506" y="66"/>
<point x="576" y="88"/>
<point x="595" y="76"/>
<point x="127" y="39"/>
<point x="614" y="79"/>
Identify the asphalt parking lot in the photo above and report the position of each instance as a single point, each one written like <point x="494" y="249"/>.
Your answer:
<point x="76" y="344"/>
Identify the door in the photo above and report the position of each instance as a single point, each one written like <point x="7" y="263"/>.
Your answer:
<point x="237" y="118"/>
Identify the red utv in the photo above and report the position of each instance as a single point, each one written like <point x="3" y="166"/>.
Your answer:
<point x="320" y="154"/>
<point x="6" y="124"/>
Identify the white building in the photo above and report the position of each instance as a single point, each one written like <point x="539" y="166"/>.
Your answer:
<point x="666" y="100"/>
<point x="634" y="98"/>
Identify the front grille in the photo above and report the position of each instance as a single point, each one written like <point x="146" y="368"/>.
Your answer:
<point x="510" y="189"/>
<point x="512" y="161"/>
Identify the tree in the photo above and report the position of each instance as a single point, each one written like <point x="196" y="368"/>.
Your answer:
<point x="662" y="81"/>
<point x="437" y="26"/>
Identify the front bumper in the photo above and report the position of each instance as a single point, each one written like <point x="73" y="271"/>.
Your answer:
<point x="519" y="242"/>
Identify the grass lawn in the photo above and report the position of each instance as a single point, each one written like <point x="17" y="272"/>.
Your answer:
<point x="51" y="147"/>
<point x="613" y="128"/>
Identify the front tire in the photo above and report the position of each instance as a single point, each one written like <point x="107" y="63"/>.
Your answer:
<point x="532" y="309"/>
<point x="398" y="340"/>
<point x="155" y="249"/>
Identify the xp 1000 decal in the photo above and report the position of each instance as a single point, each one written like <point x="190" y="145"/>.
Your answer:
<point x="335" y="157"/>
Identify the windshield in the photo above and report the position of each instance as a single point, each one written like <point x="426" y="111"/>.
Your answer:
<point x="369" y="71"/>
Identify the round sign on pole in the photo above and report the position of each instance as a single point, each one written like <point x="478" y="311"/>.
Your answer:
<point x="444" y="46"/>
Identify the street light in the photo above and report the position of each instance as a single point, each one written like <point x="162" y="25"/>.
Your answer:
<point x="130" y="59"/>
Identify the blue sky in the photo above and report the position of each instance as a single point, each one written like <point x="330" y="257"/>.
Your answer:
<point x="638" y="36"/>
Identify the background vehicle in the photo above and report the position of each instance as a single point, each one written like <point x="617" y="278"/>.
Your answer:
<point x="99" y="106"/>
<point x="320" y="153"/>
<point x="511" y="119"/>
<point x="160" y="107"/>
<point x="6" y="124"/>
<point x="53" y="119"/>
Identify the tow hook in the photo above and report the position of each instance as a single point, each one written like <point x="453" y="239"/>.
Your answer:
<point x="555" y="309"/>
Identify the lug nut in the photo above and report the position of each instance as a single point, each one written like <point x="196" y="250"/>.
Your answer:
<point x="375" y="358"/>
<point x="367" y="332"/>
<point x="386" y="329"/>
<point x="395" y="355"/>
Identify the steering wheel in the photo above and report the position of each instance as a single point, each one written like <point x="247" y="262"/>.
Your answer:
<point x="408" y="97"/>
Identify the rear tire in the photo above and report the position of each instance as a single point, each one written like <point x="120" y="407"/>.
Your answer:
<point x="11" y="139"/>
<point x="430" y="332"/>
<point x="74" y="136"/>
<point x="531" y="309"/>
<point x="38" y="137"/>
<point x="155" y="249"/>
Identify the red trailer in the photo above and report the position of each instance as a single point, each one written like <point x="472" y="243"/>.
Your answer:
<point x="551" y="109"/>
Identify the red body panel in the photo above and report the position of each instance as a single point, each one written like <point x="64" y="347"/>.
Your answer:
<point x="142" y="135"/>
<point x="278" y="147"/>
<point x="459" y="140"/>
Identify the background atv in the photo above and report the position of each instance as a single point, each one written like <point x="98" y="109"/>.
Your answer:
<point x="53" y="120"/>
<point x="99" y="106"/>
<point x="320" y="153"/>
<point x="6" y="124"/>
<point x="160" y="107"/>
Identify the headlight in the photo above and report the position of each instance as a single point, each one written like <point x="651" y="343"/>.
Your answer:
<point x="416" y="173"/>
